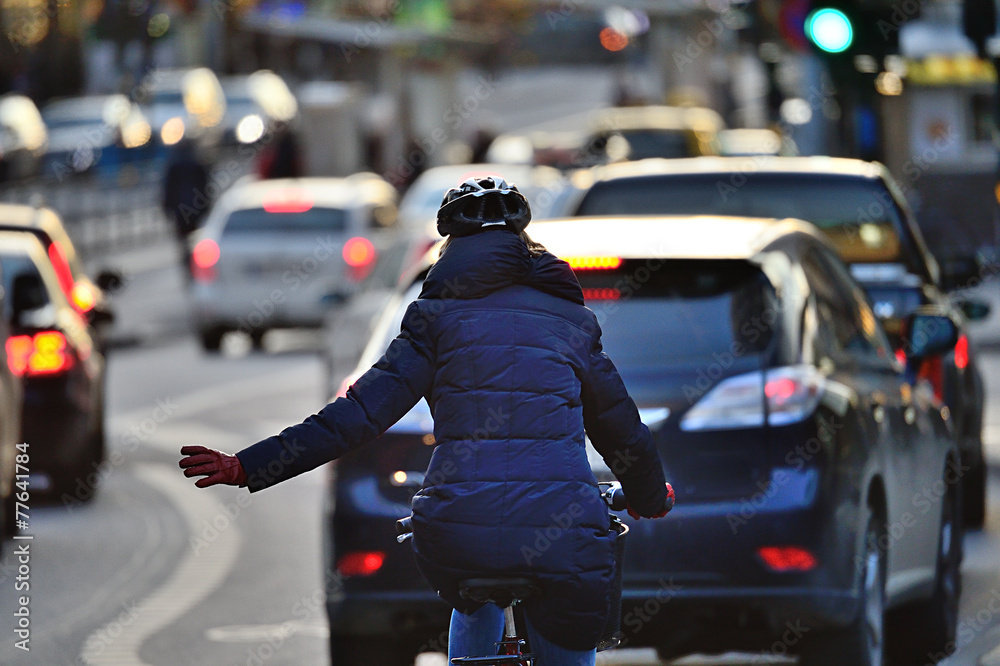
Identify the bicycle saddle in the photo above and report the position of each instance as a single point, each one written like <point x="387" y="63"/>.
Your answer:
<point x="500" y="591"/>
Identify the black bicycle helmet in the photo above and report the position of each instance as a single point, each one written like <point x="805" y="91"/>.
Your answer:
<point x="480" y="204"/>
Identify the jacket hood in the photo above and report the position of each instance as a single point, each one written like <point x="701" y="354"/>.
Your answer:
<point x="477" y="265"/>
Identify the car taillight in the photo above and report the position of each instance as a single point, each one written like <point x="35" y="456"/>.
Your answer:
<point x="593" y="263"/>
<point x="787" y="558"/>
<point x="43" y="353"/>
<point x="63" y="273"/>
<point x="791" y="393"/>
<point x="962" y="352"/>
<point x="932" y="370"/>
<point x="359" y="254"/>
<point x="360" y="563"/>
<point x="204" y="257"/>
<point x="598" y="294"/>
<point x="84" y="297"/>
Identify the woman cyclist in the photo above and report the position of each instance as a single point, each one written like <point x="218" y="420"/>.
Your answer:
<point x="509" y="359"/>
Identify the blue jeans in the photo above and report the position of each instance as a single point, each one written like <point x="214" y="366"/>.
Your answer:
<point x="475" y="636"/>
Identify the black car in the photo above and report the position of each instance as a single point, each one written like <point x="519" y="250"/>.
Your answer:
<point x="863" y="212"/>
<point x="51" y="349"/>
<point x="815" y="474"/>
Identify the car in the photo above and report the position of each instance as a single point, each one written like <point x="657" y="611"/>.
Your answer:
<point x="860" y="207"/>
<point x="89" y="297"/>
<point x="52" y="351"/>
<point x="744" y="141"/>
<point x="98" y="133"/>
<point x="183" y="102"/>
<point x="611" y="135"/>
<point x="815" y="476"/>
<point x="23" y="137"/>
<point x="255" y="105"/>
<point x="281" y="253"/>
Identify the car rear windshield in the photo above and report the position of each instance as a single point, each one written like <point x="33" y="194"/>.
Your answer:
<point x="680" y="312"/>
<point x="858" y="214"/>
<point x="645" y="143"/>
<point x="314" y="220"/>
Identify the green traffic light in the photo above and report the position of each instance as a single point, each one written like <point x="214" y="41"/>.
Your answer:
<point x="830" y="30"/>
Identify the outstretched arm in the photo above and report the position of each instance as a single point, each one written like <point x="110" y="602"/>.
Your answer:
<point x="374" y="402"/>
<point x="612" y="423"/>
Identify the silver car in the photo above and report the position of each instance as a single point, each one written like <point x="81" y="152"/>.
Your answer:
<point x="281" y="253"/>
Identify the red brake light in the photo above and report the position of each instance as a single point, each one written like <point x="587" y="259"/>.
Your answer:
<point x="593" y="263"/>
<point x="288" y="201"/>
<point x="962" y="352"/>
<point x="932" y="369"/>
<point x="787" y="558"/>
<point x="601" y="294"/>
<point x="44" y="353"/>
<point x="780" y="390"/>
<point x="204" y="257"/>
<point x="63" y="272"/>
<point x="901" y="356"/>
<point x="359" y="252"/>
<point x="361" y="563"/>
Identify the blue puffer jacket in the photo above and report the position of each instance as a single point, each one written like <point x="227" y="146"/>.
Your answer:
<point x="510" y="362"/>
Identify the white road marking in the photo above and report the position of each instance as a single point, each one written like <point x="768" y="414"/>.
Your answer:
<point x="196" y="576"/>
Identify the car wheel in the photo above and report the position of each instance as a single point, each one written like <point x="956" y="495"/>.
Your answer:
<point x="974" y="494"/>
<point x="862" y="642"/>
<point x="925" y="632"/>
<point x="211" y="338"/>
<point x="380" y="650"/>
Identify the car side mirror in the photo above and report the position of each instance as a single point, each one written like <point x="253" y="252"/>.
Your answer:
<point x="27" y="294"/>
<point x="974" y="310"/>
<point x="109" y="280"/>
<point x="929" y="335"/>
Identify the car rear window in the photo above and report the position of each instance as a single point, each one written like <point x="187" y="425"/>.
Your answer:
<point x="258" y="220"/>
<point x="859" y="215"/>
<point x="657" y="313"/>
<point x="647" y="143"/>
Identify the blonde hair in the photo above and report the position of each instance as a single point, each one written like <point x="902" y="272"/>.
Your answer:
<point x="535" y="249"/>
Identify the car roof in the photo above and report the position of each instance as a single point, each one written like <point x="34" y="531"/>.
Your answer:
<point x="666" y="237"/>
<point x="355" y="190"/>
<point x="22" y="215"/>
<point x="819" y="165"/>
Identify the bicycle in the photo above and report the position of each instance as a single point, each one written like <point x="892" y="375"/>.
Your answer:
<point x="506" y="592"/>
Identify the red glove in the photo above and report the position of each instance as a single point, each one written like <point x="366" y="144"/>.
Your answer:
<point x="670" y="505"/>
<point x="216" y="466"/>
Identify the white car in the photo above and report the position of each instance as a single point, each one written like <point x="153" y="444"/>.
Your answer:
<point x="281" y="253"/>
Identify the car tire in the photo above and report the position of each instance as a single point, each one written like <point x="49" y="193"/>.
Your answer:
<point x="925" y="632"/>
<point x="211" y="338"/>
<point x="862" y="643"/>
<point x="974" y="493"/>
<point x="380" y="650"/>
